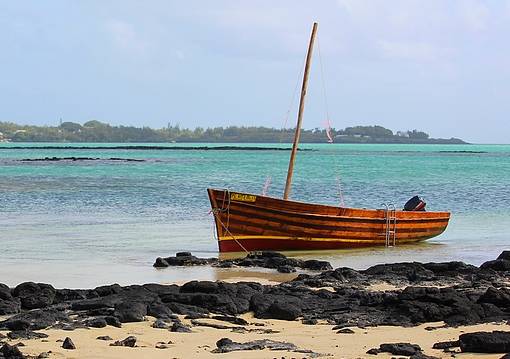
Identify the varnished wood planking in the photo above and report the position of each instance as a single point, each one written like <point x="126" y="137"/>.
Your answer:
<point x="271" y="223"/>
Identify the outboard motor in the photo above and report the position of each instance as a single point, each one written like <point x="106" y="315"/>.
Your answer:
<point x="415" y="204"/>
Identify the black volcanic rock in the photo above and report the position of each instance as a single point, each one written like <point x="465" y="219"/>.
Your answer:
<point x="453" y="292"/>
<point x="160" y="311"/>
<point x="35" y="319"/>
<point x="317" y="265"/>
<point x="10" y="352"/>
<point x="25" y="334"/>
<point x="498" y="265"/>
<point x="226" y="345"/>
<point x="485" y="342"/>
<point x="68" y="344"/>
<point x="411" y="271"/>
<point x="131" y="312"/>
<point x="34" y="295"/>
<point x="283" y="310"/>
<point x="498" y="297"/>
<point x="264" y="259"/>
<point x="160" y="263"/>
<point x="446" y="345"/>
<point x="8" y="304"/>
<point x="127" y="342"/>
<point x="179" y="327"/>
<point x="406" y="349"/>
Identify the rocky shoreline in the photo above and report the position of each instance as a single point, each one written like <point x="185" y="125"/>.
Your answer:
<point x="453" y="292"/>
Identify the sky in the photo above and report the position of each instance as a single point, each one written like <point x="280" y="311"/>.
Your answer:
<point x="438" y="66"/>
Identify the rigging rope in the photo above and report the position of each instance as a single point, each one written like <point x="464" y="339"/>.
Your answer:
<point x="323" y="82"/>
<point x="292" y="100"/>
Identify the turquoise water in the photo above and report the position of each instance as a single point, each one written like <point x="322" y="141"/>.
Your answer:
<point x="88" y="223"/>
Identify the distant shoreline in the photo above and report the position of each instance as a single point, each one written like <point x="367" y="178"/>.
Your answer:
<point x="99" y="132"/>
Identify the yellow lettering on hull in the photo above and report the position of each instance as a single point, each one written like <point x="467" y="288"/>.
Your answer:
<point x="241" y="197"/>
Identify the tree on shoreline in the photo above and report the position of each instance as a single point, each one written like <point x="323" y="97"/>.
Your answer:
<point x="96" y="131"/>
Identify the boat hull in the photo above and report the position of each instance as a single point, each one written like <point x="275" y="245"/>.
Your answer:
<point x="248" y="222"/>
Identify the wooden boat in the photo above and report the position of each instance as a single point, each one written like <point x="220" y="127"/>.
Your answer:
<point x="250" y="222"/>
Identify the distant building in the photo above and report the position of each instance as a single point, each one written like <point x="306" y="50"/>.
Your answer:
<point x="3" y="138"/>
<point x="403" y="133"/>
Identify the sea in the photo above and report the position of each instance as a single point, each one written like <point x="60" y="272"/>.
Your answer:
<point x="80" y="224"/>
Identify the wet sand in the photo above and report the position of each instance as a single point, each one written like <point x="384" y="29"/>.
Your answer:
<point x="199" y="344"/>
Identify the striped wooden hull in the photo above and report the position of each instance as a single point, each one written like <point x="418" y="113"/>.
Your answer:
<point x="252" y="222"/>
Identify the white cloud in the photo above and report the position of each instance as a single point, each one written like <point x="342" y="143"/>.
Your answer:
<point x="125" y="37"/>
<point x="416" y="51"/>
<point x="475" y="14"/>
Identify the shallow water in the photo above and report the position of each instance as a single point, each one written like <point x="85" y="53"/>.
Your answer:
<point x="81" y="224"/>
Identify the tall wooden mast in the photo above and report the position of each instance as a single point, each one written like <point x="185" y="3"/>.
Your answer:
<point x="297" y="134"/>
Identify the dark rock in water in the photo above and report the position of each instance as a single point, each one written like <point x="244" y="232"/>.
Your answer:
<point x="128" y="342"/>
<point x="184" y="260"/>
<point x="104" y="337"/>
<point x="446" y="345"/>
<point x="11" y="352"/>
<point x="160" y="263"/>
<point x="485" y="342"/>
<point x="178" y="327"/>
<point x="183" y="254"/>
<point x="34" y="295"/>
<point x="68" y="344"/>
<point x="128" y="312"/>
<point x="265" y="259"/>
<point x="286" y="269"/>
<point x="504" y="255"/>
<point x="406" y="349"/>
<point x="314" y="264"/>
<point x="26" y="334"/>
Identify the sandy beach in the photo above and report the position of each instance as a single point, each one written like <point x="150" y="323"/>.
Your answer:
<point x="199" y="344"/>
